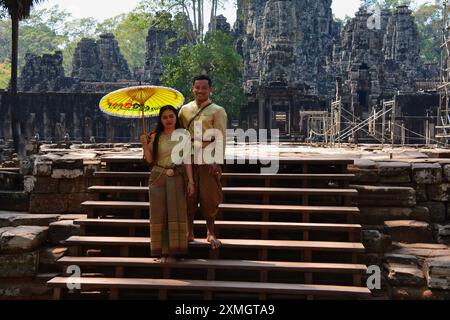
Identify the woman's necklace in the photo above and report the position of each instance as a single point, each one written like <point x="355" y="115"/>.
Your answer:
<point x="165" y="136"/>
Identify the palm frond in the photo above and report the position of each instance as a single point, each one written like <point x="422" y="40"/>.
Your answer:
<point x="19" y="8"/>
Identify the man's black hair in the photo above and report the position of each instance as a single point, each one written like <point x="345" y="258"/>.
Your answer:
<point x="202" y="77"/>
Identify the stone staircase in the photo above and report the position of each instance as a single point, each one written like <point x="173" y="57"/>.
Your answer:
<point x="288" y="235"/>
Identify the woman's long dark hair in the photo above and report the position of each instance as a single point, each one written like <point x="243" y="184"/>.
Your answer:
<point x="160" y="128"/>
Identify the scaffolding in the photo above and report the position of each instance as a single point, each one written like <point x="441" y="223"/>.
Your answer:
<point x="443" y="116"/>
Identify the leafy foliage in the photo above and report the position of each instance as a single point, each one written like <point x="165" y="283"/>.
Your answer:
<point x="215" y="57"/>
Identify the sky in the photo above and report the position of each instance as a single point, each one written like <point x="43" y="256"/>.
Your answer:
<point x="103" y="9"/>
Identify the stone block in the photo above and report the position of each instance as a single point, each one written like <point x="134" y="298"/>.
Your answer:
<point x="14" y="200"/>
<point x="67" y="173"/>
<point x="378" y="215"/>
<point x="20" y="289"/>
<point x="444" y="231"/>
<point x="427" y="173"/>
<point x="72" y="216"/>
<point x="375" y="242"/>
<point x="42" y="185"/>
<point x="78" y="185"/>
<point x="405" y="275"/>
<point x="29" y="183"/>
<point x="49" y="203"/>
<point x="422" y="251"/>
<point x="385" y="196"/>
<point x="91" y="166"/>
<point x="394" y="172"/>
<point x="48" y="258"/>
<point x="42" y="168"/>
<point x="61" y="230"/>
<point x="15" y="219"/>
<point x="437" y="211"/>
<point x="74" y="203"/>
<point x="22" y="239"/>
<point x="443" y="234"/>
<point x="421" y="192"/>
<point x="438" y="192"/>
<point x="18" y="265"/>
<point x="11" y="181"/>
<point x="409" y="231"/>
<point x="68" y="163"/>
<point x="405" y="259"/>
<point x="446" y="172"/>
<point x="437" y="273"/>
<point x="364" y="175"/>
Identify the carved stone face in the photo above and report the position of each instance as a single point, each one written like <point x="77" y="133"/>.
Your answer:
<point x="278" y="41"/>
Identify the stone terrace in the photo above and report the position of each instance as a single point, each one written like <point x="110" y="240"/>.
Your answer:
<point x="404" y="199"/>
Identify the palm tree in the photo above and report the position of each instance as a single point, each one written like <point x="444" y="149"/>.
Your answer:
<point x="18" y="10"/>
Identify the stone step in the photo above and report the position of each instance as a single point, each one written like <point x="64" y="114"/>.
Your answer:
<point x="409" y="231"/>
<point x="22" y="239"/>
<point x="15" y="219"/>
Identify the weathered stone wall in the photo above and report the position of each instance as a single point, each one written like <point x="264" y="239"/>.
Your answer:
<point x="30" y="245"/>
<point x="219" y="23"/>
<point x="52" y="115"/>
<point x="286" y="42"/>
<point x="114" y="65"/>
<point x="404" y="210"/>
<point x="158" y="47"/>
<point x="46" y="73"/>
<point x="59" y="184"/>
<point x="405" y="206"/>
<point x="99" y="60"/>
<point x="86" y="61"/>
<point x="375" y="63"/>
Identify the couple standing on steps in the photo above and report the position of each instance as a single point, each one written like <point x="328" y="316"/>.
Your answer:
<point x="176" y="188"/>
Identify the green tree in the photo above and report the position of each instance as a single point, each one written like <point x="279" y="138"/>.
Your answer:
<point x="5" y="73"/>
<point x="18" y="10"/>
<point x="43" y="32"/>
<point x="385" y="4"/>
<point x="216" y="57"/>
<point x="429" y="22"/>
<point x="131" y="34"/>
<point x="75" y="30"/>
<point x="110" y="25"/>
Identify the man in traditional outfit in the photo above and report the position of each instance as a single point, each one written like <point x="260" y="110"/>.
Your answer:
<point x="203" y="112"/>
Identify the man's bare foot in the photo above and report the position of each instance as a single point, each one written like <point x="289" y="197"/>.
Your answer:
<point x="171" y="260"/>
<point x="164" y="259"/>
<point x="215" y="243"/>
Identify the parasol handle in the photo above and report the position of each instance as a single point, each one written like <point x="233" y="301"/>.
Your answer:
<point x="145" y="129"/>
<point x="143" y="123"/>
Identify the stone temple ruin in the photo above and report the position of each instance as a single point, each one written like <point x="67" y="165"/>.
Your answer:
<point x="290" y="72"/>
<point x="302" y="74"/>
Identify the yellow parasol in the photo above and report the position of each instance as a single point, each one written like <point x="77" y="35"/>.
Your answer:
<point x="140" y="102"/>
